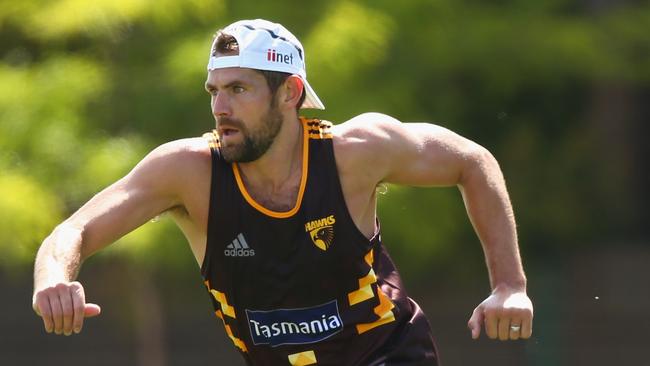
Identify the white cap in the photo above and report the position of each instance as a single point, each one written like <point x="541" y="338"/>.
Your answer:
<point x="266" y="46"/>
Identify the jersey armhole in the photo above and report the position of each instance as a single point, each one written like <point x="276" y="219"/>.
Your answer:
<point x="213" y="143"/>
<point x="339" y="191"/>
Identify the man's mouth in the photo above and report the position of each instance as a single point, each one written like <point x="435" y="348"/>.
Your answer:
<point x="225" y="131"/>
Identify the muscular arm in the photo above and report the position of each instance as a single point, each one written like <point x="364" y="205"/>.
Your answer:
<point x="151" y="188"/>
<point x="421" y="154"/>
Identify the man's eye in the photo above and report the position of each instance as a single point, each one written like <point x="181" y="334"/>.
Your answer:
<point x="237" y="89"/>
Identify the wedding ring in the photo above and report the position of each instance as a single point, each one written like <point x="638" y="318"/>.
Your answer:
<point x="515" y="328"/>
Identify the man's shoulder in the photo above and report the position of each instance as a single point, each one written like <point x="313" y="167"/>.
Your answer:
<point x="362" y="144"/>
<point x="191" y="147"/>
<point x="180" y="156"/>
<point x="370" y="123"/>
<point x="363" y="133"/>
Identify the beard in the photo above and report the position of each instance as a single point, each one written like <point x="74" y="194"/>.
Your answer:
<point x="255" y="141"/>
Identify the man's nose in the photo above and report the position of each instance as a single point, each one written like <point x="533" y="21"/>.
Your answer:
<point x="220" y="105"/>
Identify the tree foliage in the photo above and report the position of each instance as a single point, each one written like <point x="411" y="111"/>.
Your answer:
<point x="87" y="88"/>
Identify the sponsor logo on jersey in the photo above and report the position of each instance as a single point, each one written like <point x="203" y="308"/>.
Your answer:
<point x="294" y="326"/>
<point x="239" y="248"/>
<point x="321" y="231"/>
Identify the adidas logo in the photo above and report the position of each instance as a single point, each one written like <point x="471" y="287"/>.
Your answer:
<point x="239" y="248"/>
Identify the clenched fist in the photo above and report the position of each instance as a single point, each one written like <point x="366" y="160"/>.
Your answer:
<point x="63" y="307"/>
<point x="506" y="314"/>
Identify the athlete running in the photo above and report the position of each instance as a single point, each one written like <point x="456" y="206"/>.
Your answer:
<point x="280" y="214"/>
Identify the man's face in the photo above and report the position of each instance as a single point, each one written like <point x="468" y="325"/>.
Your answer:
<point x="245" y="112"/>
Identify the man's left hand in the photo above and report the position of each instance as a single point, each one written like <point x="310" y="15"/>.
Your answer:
<point x="507" y="314"/>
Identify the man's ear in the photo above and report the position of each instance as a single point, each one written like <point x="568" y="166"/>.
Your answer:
<point x="293" y="88"/>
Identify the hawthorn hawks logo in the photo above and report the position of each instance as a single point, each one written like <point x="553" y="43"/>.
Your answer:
<point x="321" y="231"/>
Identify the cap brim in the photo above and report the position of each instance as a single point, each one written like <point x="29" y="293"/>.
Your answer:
<point x="223" y="62"/>
<point x="311" y="99"/>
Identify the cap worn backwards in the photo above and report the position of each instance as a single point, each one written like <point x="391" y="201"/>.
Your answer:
<point x="264" y="45"/>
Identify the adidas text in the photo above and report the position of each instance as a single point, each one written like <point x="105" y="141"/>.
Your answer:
<point x="239" y="248"/>
<point x="239" y="252"/>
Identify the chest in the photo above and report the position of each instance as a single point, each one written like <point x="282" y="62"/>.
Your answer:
<point x="281" y="261"/>
<point x="281" y="199"/>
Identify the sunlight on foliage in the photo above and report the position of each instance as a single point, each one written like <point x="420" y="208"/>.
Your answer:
<point x="156" y="243"/>
<point x="88" y="87"/>
<point x="186" y="62"/>
<point x="66" y="17"/>
<point x="28" y="212"/>
<point x="108" y="17"/>
<point x="165" y="13"/>
<point x="418" y="225"/>
<point x="108" y="160"/>
<point x="16" y="10"/>
<point x="348" y="38"/>
<point x="51" y="93"/>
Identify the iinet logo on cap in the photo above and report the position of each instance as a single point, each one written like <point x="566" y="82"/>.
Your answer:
<point x="274" y="56"/>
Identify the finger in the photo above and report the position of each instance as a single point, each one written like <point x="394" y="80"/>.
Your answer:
<point x="45" y="312"/>
<point x="68" y="311"/>
<point x="475" y="321"/>
<point x="526" y="328"/>
<point x="57" y="314"/>
<point x="79" y="308"/>
<point x="491" y="323"/>
<point x="504" y="329"/>
<point x="516" y="332"/>
<point x="35" y="299"/>
<point x="92" y="310"/>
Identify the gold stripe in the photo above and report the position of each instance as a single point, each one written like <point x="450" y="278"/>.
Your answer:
<point x="317" y="134"/>
<point x="317" y="123"/>
<point x="370" y="278"/>
<point x="369" y="257"/>
<point x="302" y="358"/>
<point x="319" y="129"/>
<point x="223" y="301"/>
<point x="301" y="191"/>
<point x="227" y="310"/>
<point x="236" y="341"/>
<point x="213" y="139"/>
<point x="360" y="295"/>
<point x="324" y="137"/>
<point x="365" y="290"/>
<point x="383" y="311"/>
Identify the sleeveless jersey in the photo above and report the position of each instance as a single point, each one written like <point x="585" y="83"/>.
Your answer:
<point x="305" y="286"/>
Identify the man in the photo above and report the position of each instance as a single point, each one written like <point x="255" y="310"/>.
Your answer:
<point x="280" y="213"/>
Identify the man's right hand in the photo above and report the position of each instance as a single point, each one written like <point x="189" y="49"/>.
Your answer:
<point x="63" y="307"/>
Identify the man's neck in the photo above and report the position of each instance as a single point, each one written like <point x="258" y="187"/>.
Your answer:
<point x="279" y="170"/>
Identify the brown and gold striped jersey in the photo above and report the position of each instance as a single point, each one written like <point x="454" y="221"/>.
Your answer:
<point x="305" y="286"/>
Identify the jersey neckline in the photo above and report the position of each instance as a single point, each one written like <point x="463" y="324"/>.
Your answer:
<point x="303" y="181"/>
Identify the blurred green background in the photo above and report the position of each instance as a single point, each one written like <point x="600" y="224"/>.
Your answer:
<point x="558" y="90"/>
